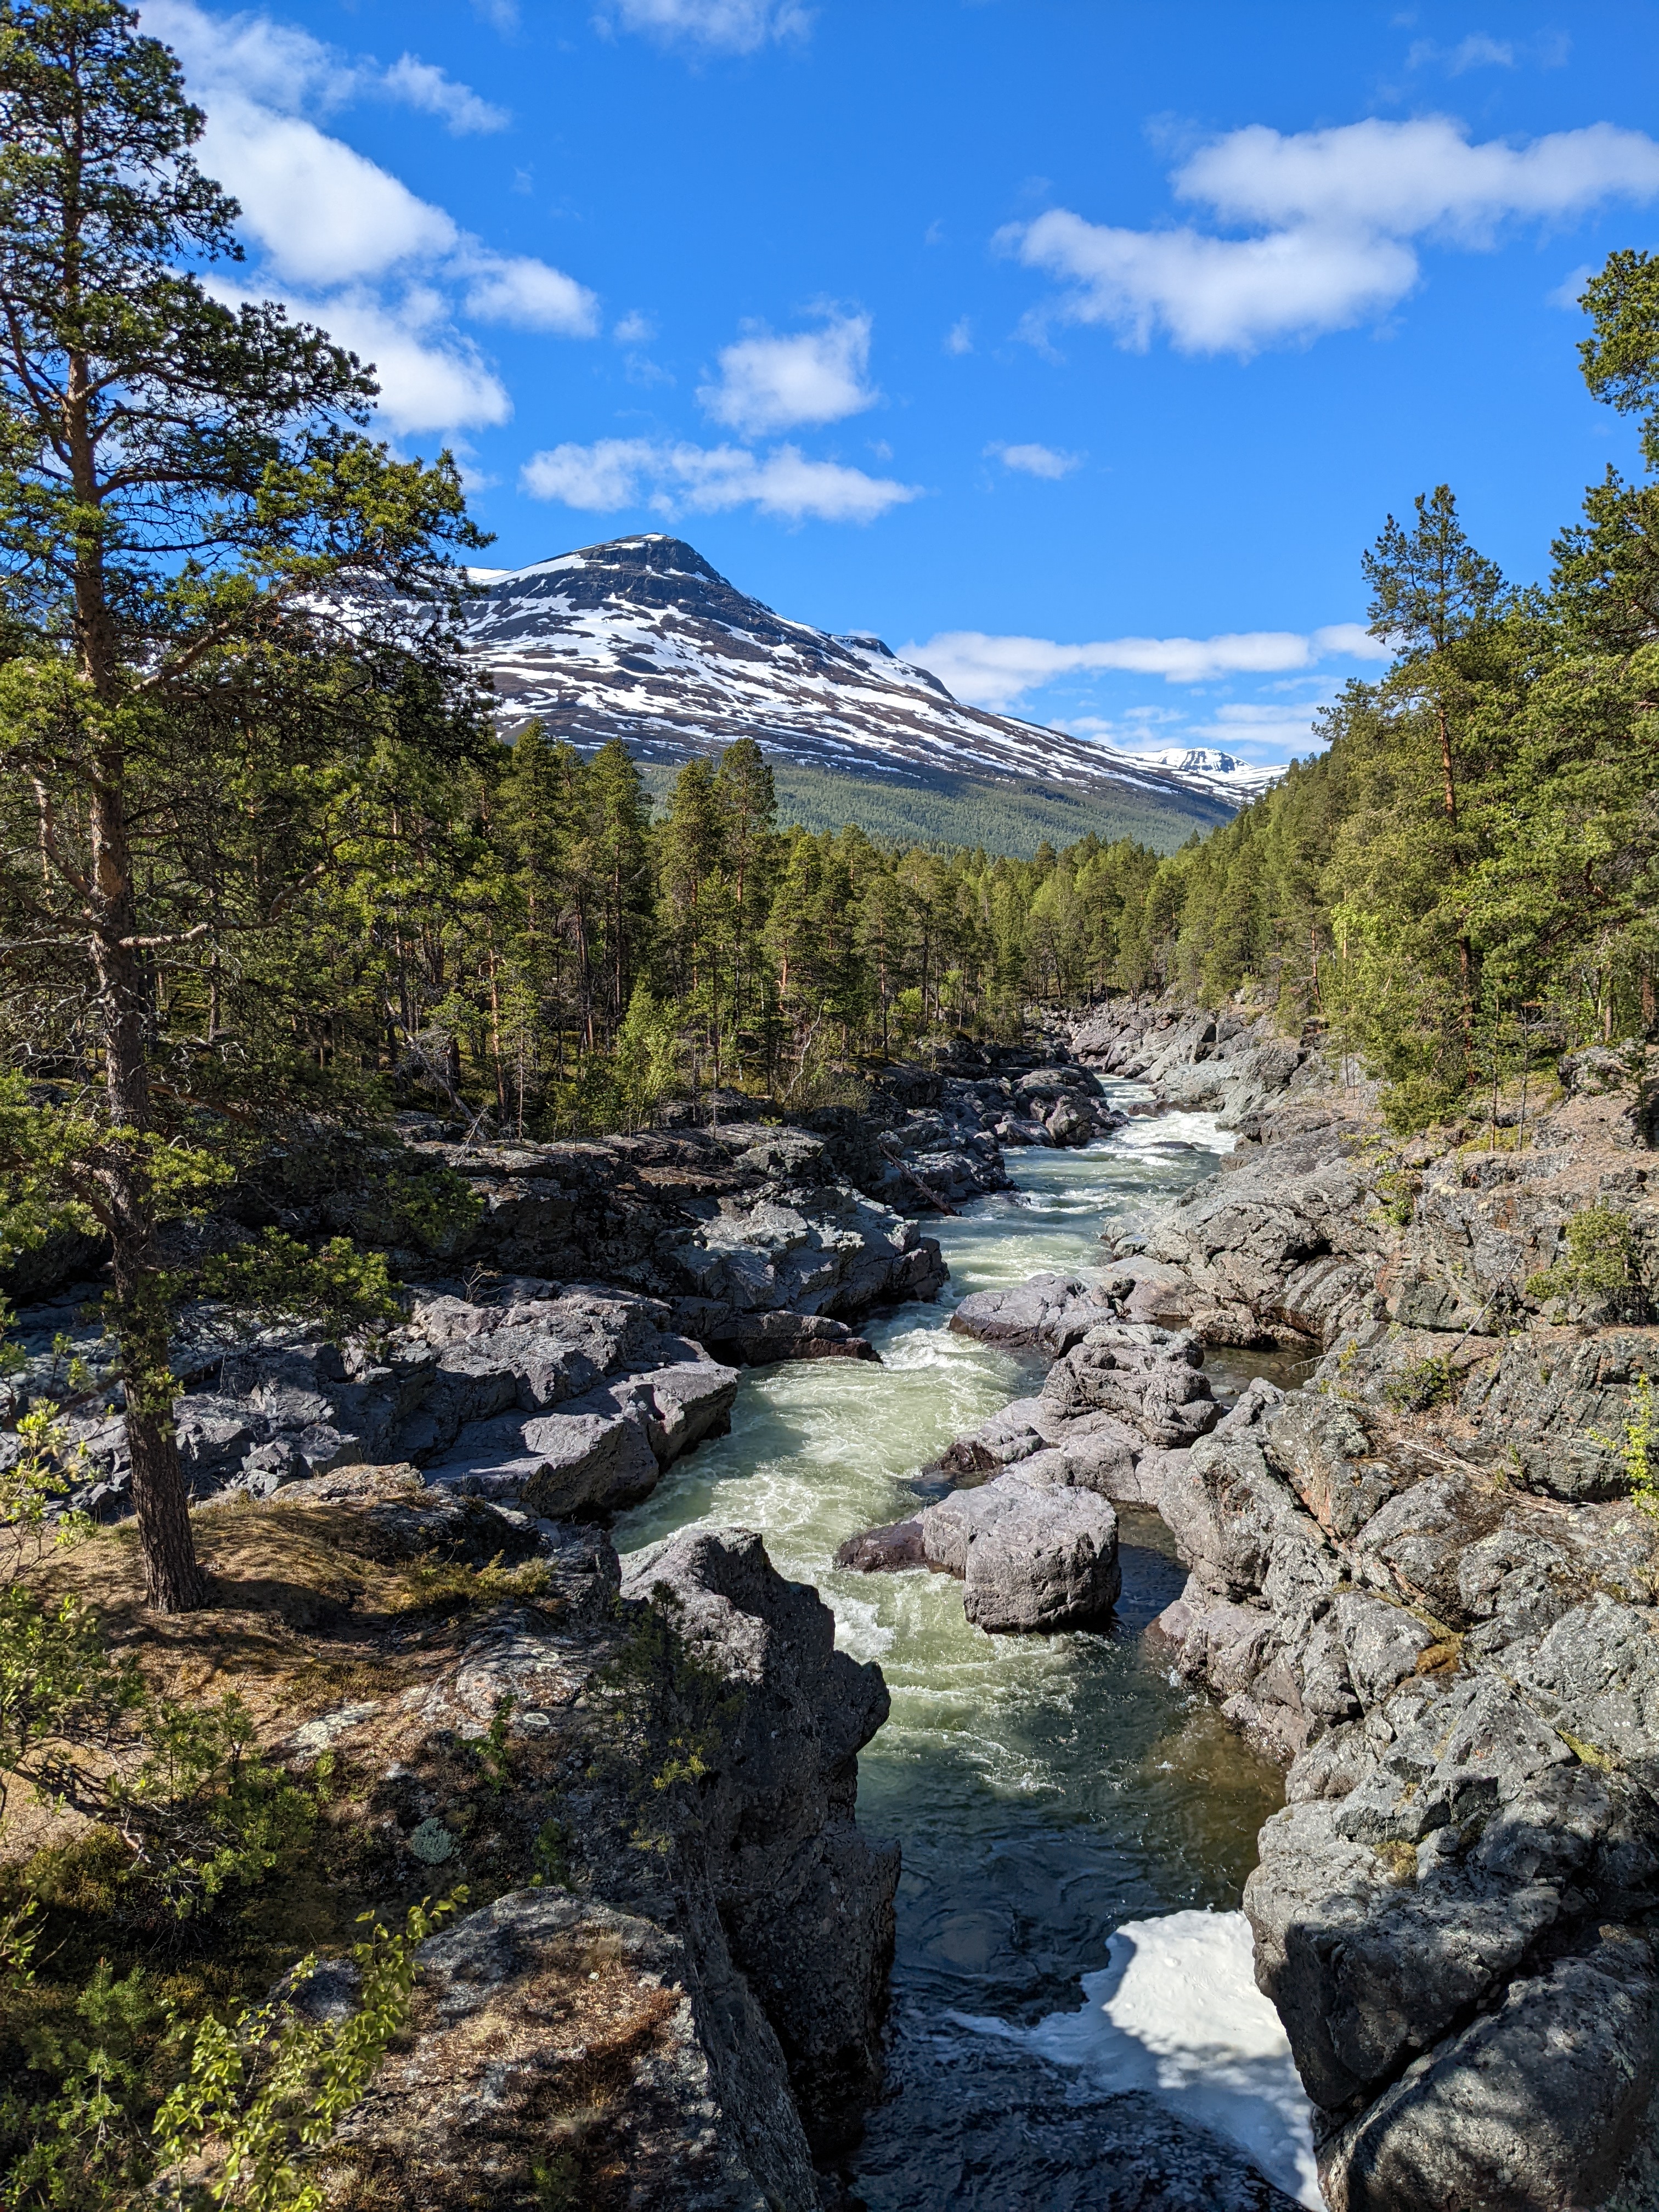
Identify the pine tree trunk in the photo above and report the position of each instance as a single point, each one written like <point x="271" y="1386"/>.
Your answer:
<point x="140" y="1321"/>
<point x="173" y="1579"/>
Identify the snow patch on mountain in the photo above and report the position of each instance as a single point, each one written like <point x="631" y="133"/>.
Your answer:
<point x="1237" y="780"/>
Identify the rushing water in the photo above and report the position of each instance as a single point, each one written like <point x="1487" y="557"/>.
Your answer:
<point x="1046" y="1789"/>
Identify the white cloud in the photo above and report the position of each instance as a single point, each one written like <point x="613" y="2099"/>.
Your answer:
<point x="424" y="85"/>
<point x="501" y="14"/>
<point x="1402" y="178"/>
<point x="527" y="294"/>
<point x="634" y="329"/>
<point x="1352" y="639"/>
<point x="768" y="383"/>
<point x="596" y="478"/>
<point x="996" y="671"/>
<point x="618" y="472"/>
<point x="1477" y="50"/>
<point x="281" y="66"/>
<point x="1336" y="212"/>
<point x="431" y="376"/>
<point x="1037" y="461"/>
<point x="1566" y="293"/>
<point x="273" y="62"/>
<point x="348" y="245"/>
<point x="324" y="213"/>
<point x="1215" y="295"/>
<point x="738" y="26"/>
<point x="959" y="338"/>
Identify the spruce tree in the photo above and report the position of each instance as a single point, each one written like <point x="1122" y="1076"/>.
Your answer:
<point x="187" y="722"/>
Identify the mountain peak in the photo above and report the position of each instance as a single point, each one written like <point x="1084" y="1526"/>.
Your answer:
<point x="640" y="638"/>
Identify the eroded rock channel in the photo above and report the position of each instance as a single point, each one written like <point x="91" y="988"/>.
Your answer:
<point x="1320" y="1665"/>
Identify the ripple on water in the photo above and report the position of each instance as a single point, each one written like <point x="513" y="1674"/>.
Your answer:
<point x="1045" y="1790"/>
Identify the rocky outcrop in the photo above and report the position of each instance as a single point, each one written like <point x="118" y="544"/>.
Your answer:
<point x="1232" y="1063"/>
<point x="806" y="1902"/>
<point x="1465" y="1687"/>
<point x="570" y="1388"/>
<point x="1421" y="1584"/>
<point x="544" y="2008"/>
<point x="1035" y="1539"/>
<point x="684" y="2001"/>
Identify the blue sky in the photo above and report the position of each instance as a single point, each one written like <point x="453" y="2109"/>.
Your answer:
<point x="1079" y="347"/>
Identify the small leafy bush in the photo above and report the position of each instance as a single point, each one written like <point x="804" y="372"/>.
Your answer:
<point x="133" y="2098"/>
<point x="1397" y="1190"/>
<point x="1600" y="1260"/>
<point x="1634" y="1447"/>
<point x="1426" y="1383"/>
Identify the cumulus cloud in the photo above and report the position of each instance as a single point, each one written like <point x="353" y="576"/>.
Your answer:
<point x="738" y="26"/>
<point x="674" y="478"/>
<point x="431" y="375"/>
<point x="634" y="329"/>
<point x="768" y="383"/>
<point x="424" y="85"/>
<point x="345" y="243"/>
<point x="324" y="213"/>
<point x="527" y="294"/>
<point x="959" y="338"/>
<point x="1035" y="460"/>
<point x="1337" y="213"/>
<point x="996" y="671"/>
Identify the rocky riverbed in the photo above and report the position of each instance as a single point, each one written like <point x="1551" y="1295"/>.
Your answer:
<point x="586" y="1326"/>
<point x="1419" y="1582"/>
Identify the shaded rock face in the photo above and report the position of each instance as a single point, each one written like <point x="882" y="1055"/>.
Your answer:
<point x="806" y="1902"/>
<point x="748" y="1220"/>
<point x="689" y="2021"/>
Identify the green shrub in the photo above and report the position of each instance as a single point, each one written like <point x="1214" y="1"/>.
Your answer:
<point x="1425" y="1384"/>
<point x="1634" y="1447"/>
<point x="1601" y="1261"/>
<point x="121" y="2100"/>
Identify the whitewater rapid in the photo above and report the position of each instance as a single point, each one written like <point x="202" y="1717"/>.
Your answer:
<point x="1069" y="1812"/>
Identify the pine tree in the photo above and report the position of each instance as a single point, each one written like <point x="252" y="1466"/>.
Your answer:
<point x="184" y="729"/>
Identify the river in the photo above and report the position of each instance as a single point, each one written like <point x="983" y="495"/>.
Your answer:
<point x="1048" y="1791"/>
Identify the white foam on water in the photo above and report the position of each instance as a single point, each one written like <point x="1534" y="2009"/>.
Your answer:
<point x="1178" y="2014"/>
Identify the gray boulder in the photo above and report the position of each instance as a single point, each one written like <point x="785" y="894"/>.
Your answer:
<point x="1030" y="1557"/>
<point x="1049" y="1314"/>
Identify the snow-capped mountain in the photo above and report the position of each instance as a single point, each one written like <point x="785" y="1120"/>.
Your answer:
<point x="1229" y="778"/>
<point x="639" y="639"/>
